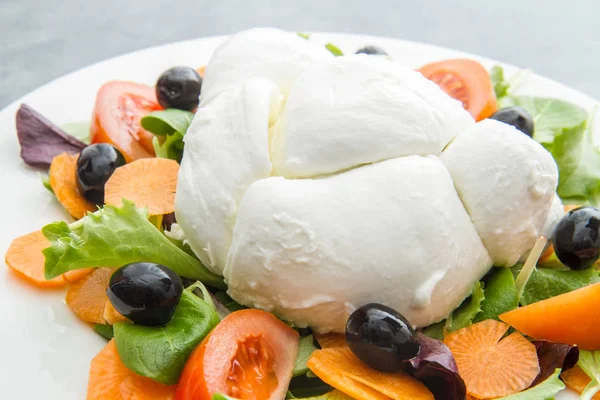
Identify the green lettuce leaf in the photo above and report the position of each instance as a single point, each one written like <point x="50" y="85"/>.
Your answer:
<point x="500" y="295"/>
<point x="160" y="352"/>
<point x="500" y="84"/>
<point x="303" y="35"/>
<point x="589" y="361"/>
<point x="169" y="127"/>
<point x="80" y="130"/>
<point x="546" y="390"/>
<point x="115" y="236"/>
<point x="305" y="349"/>
<point x="464" y="315"/>
<point x="545" y="283"/>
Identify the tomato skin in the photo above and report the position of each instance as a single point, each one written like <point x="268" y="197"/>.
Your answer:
<point x="215" y="365"/>
<point x="467" y="81"/>
<point x="116" y="119"/>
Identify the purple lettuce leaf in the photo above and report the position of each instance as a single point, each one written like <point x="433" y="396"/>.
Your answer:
<point x="552" y="356"/>
<point x="41" y="140"/>
<point x="436" y="368"/>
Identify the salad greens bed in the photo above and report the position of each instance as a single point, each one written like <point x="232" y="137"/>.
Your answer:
<point x="120" y="235"/>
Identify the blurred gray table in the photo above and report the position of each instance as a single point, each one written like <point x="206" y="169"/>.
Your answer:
<point x="44" y="39"/>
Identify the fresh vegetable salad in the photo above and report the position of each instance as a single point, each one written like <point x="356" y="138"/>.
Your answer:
<point x="290" y="222"/>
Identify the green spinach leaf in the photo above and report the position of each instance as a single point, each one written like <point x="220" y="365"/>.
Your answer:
<point x="160" y="353"/>
<point x="169" y="127"/>
<point x="115" y="236"/>
<point x="500" y="295"/>
<point x="545" y="283"/>
<point x="106" y="331"/>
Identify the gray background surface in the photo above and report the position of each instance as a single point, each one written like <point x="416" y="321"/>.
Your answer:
<point x="44" y="39"/>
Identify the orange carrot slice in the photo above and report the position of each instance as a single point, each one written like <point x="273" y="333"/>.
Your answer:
<point x="487" y="363"/>
<point x="148" y="182"/>
<point x="87" y="297"/>
<point x="340" y="368"/>
<point x="63" y="180"/>
<point x="570" y="318"/>
<point x="110" y="379"/>
<point x="577" y="380"/>
<point x="25" y="257"/>
<point x="201" y="70"/>
<point x="111" y="315"/>
<point x="327" y="340"/>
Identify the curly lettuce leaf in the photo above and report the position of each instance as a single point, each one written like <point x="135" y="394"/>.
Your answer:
<point x="114" y="236"/>
<point x="160" y="352"/>
<point x="500" y="295"/>
<point x="546" y="390"/>
<point x="545" y="283"/>
<point x="169" y="127"/>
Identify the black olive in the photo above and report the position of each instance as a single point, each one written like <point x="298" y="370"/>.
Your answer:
<point x="517" y="117"/>
<point x="179" y="87"/>
<point x="95" y="165"/>
<point x="381" y="337"/>
<point x="372" y="50"/>
<point x="576" y="238"/>
<point x="146" y="293"/>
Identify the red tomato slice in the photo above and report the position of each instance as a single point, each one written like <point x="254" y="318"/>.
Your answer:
<point x="250" y="355"/>
<point x="467" y="81"/>
<point x="119" y="108"/>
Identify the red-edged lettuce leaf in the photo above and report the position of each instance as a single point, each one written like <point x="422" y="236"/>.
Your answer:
<point x="552" y="356"/>
<point x="436" y="368"/>
<point x="41" y="140"/>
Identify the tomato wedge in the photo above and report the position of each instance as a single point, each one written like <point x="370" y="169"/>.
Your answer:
<point x="119" y="108"/>
<point x="467" y="81"/>
<point x="250" y="355"/>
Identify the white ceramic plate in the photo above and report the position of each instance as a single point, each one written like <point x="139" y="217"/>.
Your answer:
<point x="46" y="350"/>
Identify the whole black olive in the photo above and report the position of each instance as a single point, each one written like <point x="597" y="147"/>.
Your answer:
<point x="576" y="238"/>
<point x="146" y="293"/>
<point x="95" y="165"/>
<point x="381" y="337"/>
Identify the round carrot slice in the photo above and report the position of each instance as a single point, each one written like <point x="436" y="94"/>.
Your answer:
<point x="467" y="81"/>
<point x="25" y="257"/>
<point x="149" y="182"/>
<point x="63" y="180"/>
<point x="249" y="355"/>
<point x="110" y="379"/>
<point x="486" y="362"/>
<point x="87" y="297"/>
